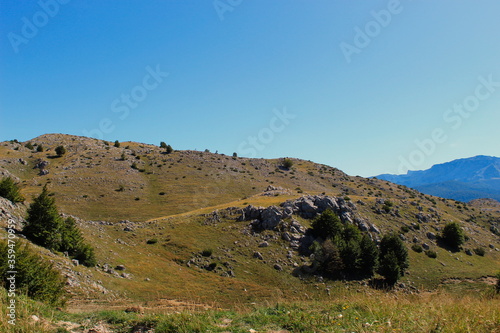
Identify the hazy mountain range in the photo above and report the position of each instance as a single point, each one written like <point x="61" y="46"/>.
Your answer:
<point x="462" y="179"/>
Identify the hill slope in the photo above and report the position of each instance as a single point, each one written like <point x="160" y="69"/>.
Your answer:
<point x="160" y="238"/>
<point x="463" y="179"/>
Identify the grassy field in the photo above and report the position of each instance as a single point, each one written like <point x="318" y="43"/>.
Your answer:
<point x="347" y="311"/>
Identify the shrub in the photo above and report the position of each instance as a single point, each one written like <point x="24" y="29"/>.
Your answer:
<point x="35" y="276"/>
<point x="85" y="255"/>
<point x="235" y="155"/>
<point x="163" y="145"/>
<point x="417" y="248"/>
<point x="29" y="145"/>
<point x="169" y="149"/>
<point x="405" y="229"/>
<point x="39" y="148"/>
<point x="60" y="151"/>
<point x="431" y="254"/>
<point x="497" y="285"/>
<point x="9" y="190"/>
<point x="453" y="235"/>
<point x="152" y="241"/>
<point x="207" y="252"/>
<point x="287" y="163"/>
<point x="480" y="251"/>
<point x="117" y="144"/>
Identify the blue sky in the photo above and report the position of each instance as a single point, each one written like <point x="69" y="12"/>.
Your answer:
<point x="368" y="87"/>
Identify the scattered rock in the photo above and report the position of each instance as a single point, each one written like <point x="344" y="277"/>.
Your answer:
<point x="258" y="255"/>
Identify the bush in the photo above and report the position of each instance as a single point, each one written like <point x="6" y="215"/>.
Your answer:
<point x="117" y="144"/>
<point x="169" y="149"/>
<point x="417" y="248"/>
<point x="405" y="229"/>
<point x="207" y="252"/>
<point x="39" y="148"/>
<point x="85" y="255"/>
<point x="9" y="190"/>
<point x="453" y="235"/>
<point x="431" y="254"/>
<point x="152" y="241"/>
<point x="29" y="145"/>
<point x="60" y="151"/>
<point x="287" y="163"/>
<point x="497" y="285"/>
<point x="35" y="276"/>
<point x="480" y="251"/>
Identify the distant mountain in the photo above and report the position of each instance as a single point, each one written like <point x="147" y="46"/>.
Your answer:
<point x="463" y="179"/>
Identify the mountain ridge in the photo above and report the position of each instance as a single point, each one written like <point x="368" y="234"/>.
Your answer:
<point x="462" y="179"/>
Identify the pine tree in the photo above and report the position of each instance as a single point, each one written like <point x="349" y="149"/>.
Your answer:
<point x="453" y="235"/>
<point x="369" y="256"/>
<point x="10" y="191"/>
<point x="44" y="225"/>
<point x="392" y="246"/>
<point x="389" y="268"/>
<point x="327" y="225"/>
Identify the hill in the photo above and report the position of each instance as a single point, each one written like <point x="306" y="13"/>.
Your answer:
<point x="463" y="179"/>
<point x="196" y="231"/>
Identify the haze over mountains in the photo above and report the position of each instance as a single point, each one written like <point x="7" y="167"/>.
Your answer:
<point x="462" y="179"/>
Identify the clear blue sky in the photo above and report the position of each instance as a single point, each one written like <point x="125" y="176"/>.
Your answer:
<point x="366" y="86"/>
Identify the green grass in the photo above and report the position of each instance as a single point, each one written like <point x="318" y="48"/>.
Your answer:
<point x="347" y="311"/>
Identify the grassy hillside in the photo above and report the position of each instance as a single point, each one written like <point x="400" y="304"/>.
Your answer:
<point x="156" y="221"/>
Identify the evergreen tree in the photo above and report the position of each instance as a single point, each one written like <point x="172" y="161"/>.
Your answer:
<point x="351" y="255"/>
<point x="117" y="144"/>
<point x="35" y="276"/>
<point x="391" y="245"/>
<point x="9" y="190"/>
<point x="71" y="238"/>
<point x="44" y="225"/>
<point x="389" y="267"/>
<point x="163" y="145"/>
<point x="169" y="149"/>
<point x="453" y="235"/>
<point x="369" y="256"/>
<point x="327" y="225"/>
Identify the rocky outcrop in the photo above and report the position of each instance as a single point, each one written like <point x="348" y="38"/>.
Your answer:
<point x="307" y="207"/>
